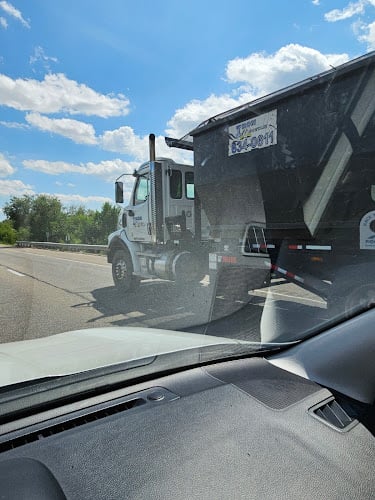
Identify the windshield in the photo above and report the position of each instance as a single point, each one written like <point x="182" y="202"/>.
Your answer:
<point x="253" y="227"/>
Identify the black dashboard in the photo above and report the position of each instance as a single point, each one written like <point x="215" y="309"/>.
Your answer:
<point x="238" y="429"/>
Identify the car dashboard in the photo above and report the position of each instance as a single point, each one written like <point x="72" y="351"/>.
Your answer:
<point x="242" y="428"/>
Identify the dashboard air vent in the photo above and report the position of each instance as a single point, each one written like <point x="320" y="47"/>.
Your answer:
<point x="332" y="414"/>
<point x="69" y="423"/>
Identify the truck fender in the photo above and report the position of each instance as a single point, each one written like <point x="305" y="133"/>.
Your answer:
<point x="120" y="241"/>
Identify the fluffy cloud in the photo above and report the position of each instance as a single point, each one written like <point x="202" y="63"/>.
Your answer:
<point x="257" y="75"/>
<point x="366" y="33"/>
<point x="124" y="140"/>
<point x="107" y="169"/>
<point x="12" y="187"/>
<point x="266" y="73"/>
<point x="196" y="111"/>
<point x="77" y="131"/>
<point x="352" y="9"/>
<point x="81" y="200"/>
<point x="56" y="93"/>
<point x="13" y="12"/>
<point x="5" y="167"/>
<point x="3" y="22"/>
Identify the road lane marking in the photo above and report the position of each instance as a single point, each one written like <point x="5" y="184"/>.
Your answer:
<point x="15" y="272"/>
<point x="60" y="258"/>
<point x="296" y="298"/>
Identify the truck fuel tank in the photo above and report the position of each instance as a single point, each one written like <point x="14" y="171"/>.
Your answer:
<point x="178" y="266"/>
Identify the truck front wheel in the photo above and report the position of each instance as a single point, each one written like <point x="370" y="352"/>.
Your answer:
<point x="122" y="271"/>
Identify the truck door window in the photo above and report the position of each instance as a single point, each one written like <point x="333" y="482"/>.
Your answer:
<point x="175" y="184"/>
<point x="141" y="191"/>
<point x="189" y="185"/>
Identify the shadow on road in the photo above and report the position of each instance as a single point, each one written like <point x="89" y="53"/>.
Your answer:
<point x="162" y="304"/>
<point x="154" y="304"/>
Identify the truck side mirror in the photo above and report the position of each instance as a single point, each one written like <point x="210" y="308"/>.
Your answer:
<point x="119" y="192"/>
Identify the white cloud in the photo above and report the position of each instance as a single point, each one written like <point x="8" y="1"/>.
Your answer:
<point x="81" y="200"/>
<point x="106" y="169"/>
<point x="40" y="57"/>
<point x="3" y="22"/>
<point x="366" y="33"/>
<point x="258" y="74"/>
<point x="39" y="54"/>
<point x="316" y="2"/>
<point x="13" y="187"/>
<point x="266" y="73"/>
<point x="5" y="167"/>
<point x="124" y="140"/>
<point x="56" y="93"/>
<point x="14" y="124"/>
<point x="69" y="184"/>
<point x="347" y="12"/>
<point x="13" y="12"/>
<point x="78" y="131"/>
<point x="196" y="111"/>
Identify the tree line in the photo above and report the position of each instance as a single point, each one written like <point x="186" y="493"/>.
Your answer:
<point x="45" y="218"/>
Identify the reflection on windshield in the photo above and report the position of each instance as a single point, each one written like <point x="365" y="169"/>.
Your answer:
<point x="295" y="223"/>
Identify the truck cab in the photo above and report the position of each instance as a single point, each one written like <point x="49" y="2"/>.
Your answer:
<point x="157" y="235"/>
<point x="176" y="198"/>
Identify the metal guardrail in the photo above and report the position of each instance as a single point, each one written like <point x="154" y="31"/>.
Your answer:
<point x="62" y="246"/>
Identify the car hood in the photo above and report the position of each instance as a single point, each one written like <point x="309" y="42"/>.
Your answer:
<point x="82" y="350"/>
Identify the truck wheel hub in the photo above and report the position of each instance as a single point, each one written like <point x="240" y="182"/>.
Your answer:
<point x="120" y="269"/>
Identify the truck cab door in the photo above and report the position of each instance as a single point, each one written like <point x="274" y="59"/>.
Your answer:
<point x="138" y="223"/>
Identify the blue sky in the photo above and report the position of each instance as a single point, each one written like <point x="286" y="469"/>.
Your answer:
<point x="83" y="83"/>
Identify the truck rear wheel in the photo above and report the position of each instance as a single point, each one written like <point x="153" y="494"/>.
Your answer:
<point x="122" y="271"/>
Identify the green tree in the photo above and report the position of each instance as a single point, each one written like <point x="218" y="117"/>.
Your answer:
<point x="8" y="234"/>
<point x="46" y="219"/>
<point x="23" y="234"/>
<point x="43" y="217"/>
<point x="79" y="228"/>
<point x="106" y="221"/>
<point x="17" y="210"/>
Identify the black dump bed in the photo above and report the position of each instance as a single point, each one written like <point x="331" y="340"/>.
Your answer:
<point x="300" y="161"/>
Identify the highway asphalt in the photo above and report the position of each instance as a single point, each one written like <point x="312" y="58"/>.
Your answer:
<point x="44" y="292"/>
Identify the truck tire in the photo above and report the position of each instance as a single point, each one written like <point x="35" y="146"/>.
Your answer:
<point x="122" y="271"/>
